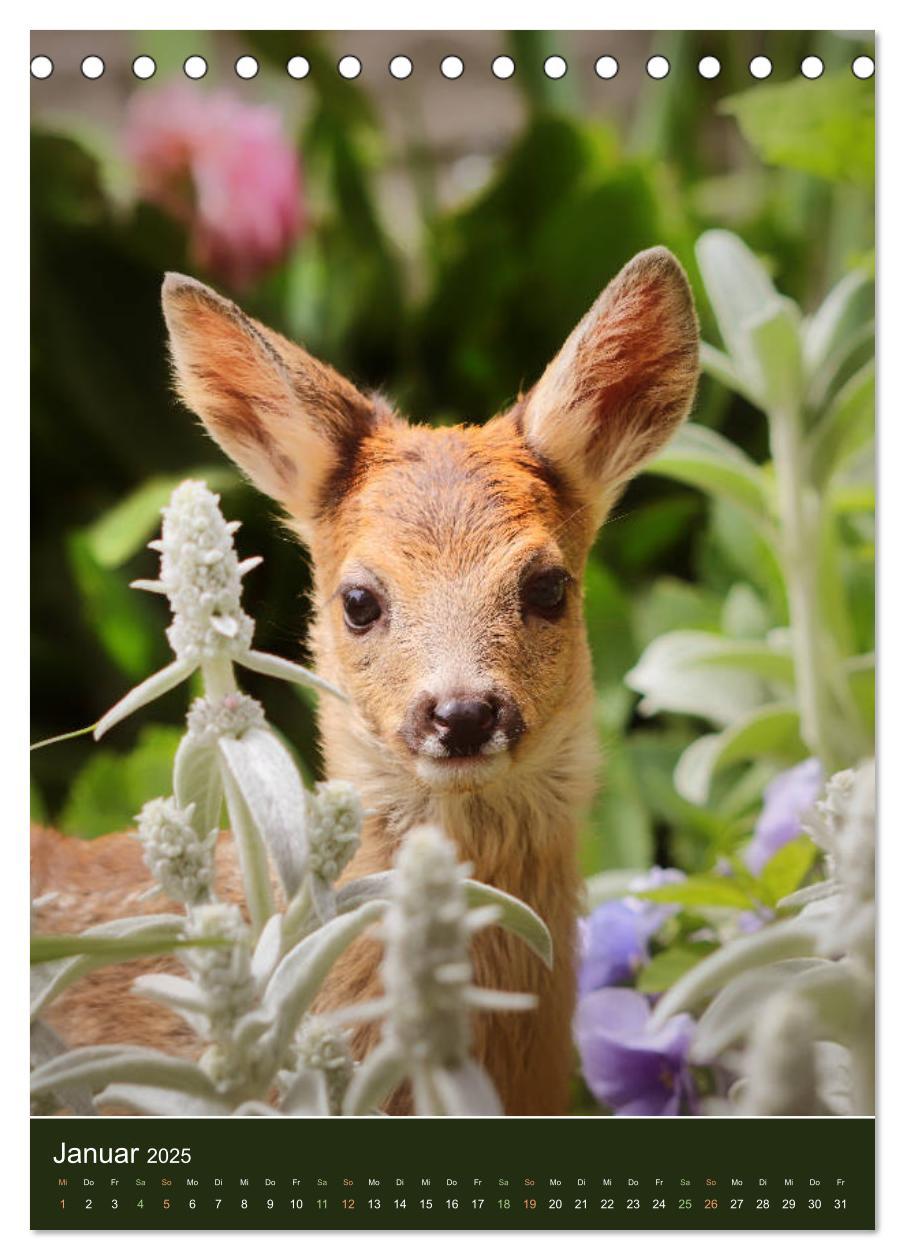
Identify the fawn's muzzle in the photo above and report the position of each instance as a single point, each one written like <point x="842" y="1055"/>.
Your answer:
<point x="464" y="724"/>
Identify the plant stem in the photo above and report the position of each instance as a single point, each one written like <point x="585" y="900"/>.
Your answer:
<point x="219" y="677"/>
<point x="799" y="512"/>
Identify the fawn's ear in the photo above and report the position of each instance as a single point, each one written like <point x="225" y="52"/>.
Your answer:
<point x="286" y="419"/>
<point x="623" y="381"/>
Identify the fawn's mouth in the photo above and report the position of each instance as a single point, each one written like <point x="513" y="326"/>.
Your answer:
<point x="462" y="773"/>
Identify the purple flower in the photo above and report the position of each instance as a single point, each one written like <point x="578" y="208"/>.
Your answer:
<point x="613" y="946"/>
<point x="786" y="799"/>
<point x="613" y="939"/>
<point x="630" y="1068"/>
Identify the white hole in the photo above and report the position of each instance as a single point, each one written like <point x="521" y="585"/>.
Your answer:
<point x="92" y="67"/>
<point x="761" y="67"/>
<point x="503" y="67"/>
<point x="452" y="67"/>
<point x="42" y="67"/>
<point x="863" y="67"/>
<point x="349" y="67"/>
<point x="144" y="67"/>
<point x="401" y="67"/>
<point x="297" y="67"/>
<point x="555" y="67"/>
<point x="607" y="67"/>
<point x="246" y="67"/>
<point x="195" y="67"/>
<point x="708" y="67"/>
<point x="812" y="67"/>
<point x="657" y="67"/>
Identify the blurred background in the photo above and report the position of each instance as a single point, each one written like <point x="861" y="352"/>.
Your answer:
<point x="435" y="239"/>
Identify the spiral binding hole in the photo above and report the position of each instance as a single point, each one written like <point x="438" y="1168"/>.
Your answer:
<point x="709" y="67"/>
<point x="194" y="67"/>
<point x="657" y="67"/>
<point x="452" y="67"/>
<point x="41" y="67"/>
<point x="606" y="67"/>
<point x="555" y="67"/>
<point x="503" y="67"/>
<point x="863" y="67"/>
<point x="401" y="67"/>
<point x="247" y="67"/>
<point x="144" y="67"/>
<point x="92" y="67"/>
<point x="761" y="67"/>
<point x="297" y="67"/>
<point x="349" y="67"/>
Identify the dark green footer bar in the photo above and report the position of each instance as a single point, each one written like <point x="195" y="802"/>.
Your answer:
<point x="569" y="1173"/>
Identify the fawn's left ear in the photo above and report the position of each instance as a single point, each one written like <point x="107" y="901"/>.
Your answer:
<point x="290" y="422"/>
<point x="623" y="381"/>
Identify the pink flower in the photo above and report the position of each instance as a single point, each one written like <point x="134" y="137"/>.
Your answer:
<point x="224" y="168"/>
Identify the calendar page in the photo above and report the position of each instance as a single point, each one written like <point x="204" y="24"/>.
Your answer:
<point x="453" y="798"/>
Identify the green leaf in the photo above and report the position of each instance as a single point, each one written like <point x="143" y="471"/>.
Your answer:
<point x="295" y="983"/>
<point x="846" y="310"/>
<point x="770" y="731"/>
<point x="102" y="1065"/>
<point x="114" y="950"/>
<point x="271" y="787"/>
<point x="704" y="459"/>
<point x="824" y="127"/>
<point x="776" y="342"/>
<point x="196" y="781"/>
<point x="667" y="967"/>
<point x="738" y="1006"/>
<point x="793" y="938"/>
<point x="380" y="1073"/>
<point x="786" y="869"/>
<point x="675" y="675"/>
<point x="741" y="294"/>
<point x="515" y="916"/>
<point x="111" y="787"/>
<point x="702" y="890"/>
<point x="846" y="427"/>
<point x="49" y="979"/>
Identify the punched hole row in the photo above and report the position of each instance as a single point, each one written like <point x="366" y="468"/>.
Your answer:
<point x="451" y="67"/>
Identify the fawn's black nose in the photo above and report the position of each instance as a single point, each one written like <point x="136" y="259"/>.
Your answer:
<point x="464" y="723"/>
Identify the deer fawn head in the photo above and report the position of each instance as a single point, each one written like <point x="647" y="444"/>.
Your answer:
<point x="448" y="561"/>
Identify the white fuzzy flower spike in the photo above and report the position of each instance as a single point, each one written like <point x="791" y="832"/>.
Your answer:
<point x="428" y="983"/>
<point x="201" y="577"/>
<point x="180" y="860"/>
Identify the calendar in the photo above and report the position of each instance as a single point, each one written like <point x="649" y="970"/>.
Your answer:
<point x="551" y="1174"/>
<point x="453" y="787"/>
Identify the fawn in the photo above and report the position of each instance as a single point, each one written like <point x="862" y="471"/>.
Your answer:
<point x="448" y="586"/>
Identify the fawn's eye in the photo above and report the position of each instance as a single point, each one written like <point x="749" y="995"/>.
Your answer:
<point x="544" y="593"/>
<point x="361" y="607"/>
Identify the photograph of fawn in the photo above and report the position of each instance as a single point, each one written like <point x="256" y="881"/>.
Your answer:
<point x="489" y="728"/>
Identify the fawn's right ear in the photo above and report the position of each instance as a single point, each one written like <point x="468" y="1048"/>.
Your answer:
<point x="286" y="419"/>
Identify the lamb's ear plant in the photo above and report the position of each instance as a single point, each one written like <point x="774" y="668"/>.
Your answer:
<point x="789" y="1009"/>
<point x="803" y="685"/>
<point x="251" y="984"/>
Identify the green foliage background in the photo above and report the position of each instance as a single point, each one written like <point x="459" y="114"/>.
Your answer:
<point x="451" y="326"/>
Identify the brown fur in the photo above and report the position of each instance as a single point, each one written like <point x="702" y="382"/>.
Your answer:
<point x="444" y="524"/>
